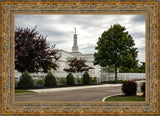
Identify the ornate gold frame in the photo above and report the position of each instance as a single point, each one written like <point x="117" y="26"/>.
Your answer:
<point x="10" y="9"/>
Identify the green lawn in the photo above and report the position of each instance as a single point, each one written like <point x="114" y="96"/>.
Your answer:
<point x="126" y="98"/>
<point x="22" y="91"/>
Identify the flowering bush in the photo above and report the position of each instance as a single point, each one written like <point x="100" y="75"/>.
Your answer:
<point x="129" y="88"/>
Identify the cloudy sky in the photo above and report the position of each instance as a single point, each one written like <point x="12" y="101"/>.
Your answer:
<point x="60" y="29"/>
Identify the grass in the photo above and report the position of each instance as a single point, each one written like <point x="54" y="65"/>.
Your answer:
<point x="113" y="82"/>
<point x="126" y="98"/>
<point x="22" y="91"/>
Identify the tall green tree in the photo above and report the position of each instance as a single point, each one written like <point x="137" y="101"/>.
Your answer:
<point x="140" y="68"/>
<point x="108" y="69"/>
<point x="32" y="52"/>
<point x="116" y="48"/>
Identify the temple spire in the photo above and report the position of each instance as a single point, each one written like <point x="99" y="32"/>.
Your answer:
<point x="75" y="45"/>
<point x="75" y="29"/>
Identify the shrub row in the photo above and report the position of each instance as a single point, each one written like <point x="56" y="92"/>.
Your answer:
<point x="85" y="80"/>
<point x="26" y="81"/>
<point x="129" y="88"/>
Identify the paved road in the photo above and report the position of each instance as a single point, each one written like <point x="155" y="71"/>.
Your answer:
<point x="92" y="94"/>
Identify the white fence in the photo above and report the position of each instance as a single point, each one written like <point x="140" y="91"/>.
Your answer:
<point x="103" y="77"/>
<point x="64" y="74"/>
<point x="121" y="76"/>
<point x="38" y="76"/>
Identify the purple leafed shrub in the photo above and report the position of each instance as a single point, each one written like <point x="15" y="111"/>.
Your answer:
<point x="129" y="88"/>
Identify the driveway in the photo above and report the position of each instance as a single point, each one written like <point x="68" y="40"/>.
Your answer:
<point x="87" y="94"/>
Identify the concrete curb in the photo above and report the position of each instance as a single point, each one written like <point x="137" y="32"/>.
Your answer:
<point x="103" y="100"/>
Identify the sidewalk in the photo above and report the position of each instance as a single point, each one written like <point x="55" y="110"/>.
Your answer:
<point x="76" y="88"/>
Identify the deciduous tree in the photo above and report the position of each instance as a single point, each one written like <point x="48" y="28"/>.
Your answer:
<point x="140" y="68"/>
<point x="116" y="48"/>
<point x="32" y="52"/>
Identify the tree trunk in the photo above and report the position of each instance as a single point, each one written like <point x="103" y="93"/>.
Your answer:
<point x="115" y="73"/>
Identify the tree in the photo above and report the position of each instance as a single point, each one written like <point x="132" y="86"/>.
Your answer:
<point x="70" y="79"/>
<point x="32" y="52"/>
<point x="77" y="65"/>
<point x="86" y="78"/>
<point x="108" y="69"/>
<point x="116" y="48"/>
<point x="26" y="81"/>
<point x="50" y="80"/>
<point x="140" y="68"/>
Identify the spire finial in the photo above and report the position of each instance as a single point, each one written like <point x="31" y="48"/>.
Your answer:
<point x="75" y="29"/>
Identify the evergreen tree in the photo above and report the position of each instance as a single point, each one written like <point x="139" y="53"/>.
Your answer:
<point x="50" y="80"/>
<point x="26" y="81"/>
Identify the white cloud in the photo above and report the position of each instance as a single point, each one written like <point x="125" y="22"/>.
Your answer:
<point x="60" y="28"/>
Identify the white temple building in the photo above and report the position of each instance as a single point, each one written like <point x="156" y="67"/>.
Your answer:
<point x="65" y="55"/>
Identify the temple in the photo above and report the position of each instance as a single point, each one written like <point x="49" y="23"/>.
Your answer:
<point x="65" y="55"/>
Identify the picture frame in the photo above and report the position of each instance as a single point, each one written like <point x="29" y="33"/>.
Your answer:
<point x="11" y="8"/>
